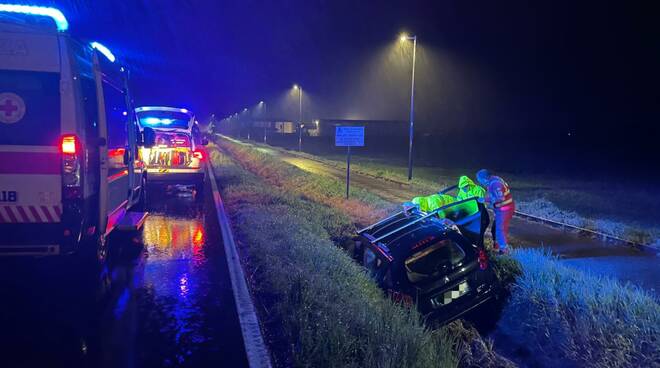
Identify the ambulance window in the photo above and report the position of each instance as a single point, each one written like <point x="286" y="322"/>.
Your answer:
<point x="29" y="108"/>
<point x="116" y="115"/>
<point x="91" y="109"/>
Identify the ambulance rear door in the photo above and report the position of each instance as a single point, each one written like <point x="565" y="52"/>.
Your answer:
<point x="30" y="126"/>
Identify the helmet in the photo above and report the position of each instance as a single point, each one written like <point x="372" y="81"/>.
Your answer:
<point x="483" y="175"/>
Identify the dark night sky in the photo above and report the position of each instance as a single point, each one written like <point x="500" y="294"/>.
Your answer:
<point x="516" y="68"/>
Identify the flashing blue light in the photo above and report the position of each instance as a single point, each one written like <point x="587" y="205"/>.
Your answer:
<point x="156" y="121"/>
<point x="162" y="108"/>
<point x="60" y="21"/>
<point x="103" y="50"/>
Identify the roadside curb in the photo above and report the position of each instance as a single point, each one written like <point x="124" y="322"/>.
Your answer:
<point x="257" y="353"/>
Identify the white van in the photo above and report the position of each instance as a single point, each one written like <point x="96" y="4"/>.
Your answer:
<point x="69" y="168"/>
<point x="178" y="155"/>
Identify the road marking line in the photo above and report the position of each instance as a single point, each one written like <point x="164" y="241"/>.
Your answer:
<point x="255" y="348"/>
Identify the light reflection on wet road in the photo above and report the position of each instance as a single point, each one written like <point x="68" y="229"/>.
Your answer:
<point x="168" y="301"/>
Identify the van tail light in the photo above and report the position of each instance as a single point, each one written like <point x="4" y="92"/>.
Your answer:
<point x="69" y="144"/>
<point x="198" y="153"/>
<point x="483" y="259"/>
<point x="71" y="152"/>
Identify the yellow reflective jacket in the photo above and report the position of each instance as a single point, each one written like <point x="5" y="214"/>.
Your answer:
<point x="468" y="189"/>
<point x="433" y="202"/>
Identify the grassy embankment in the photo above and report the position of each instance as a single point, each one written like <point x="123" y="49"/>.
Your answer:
<point x="624" y="210"/>
<point x="555" y="312"/>
<point x="319" y="307"/>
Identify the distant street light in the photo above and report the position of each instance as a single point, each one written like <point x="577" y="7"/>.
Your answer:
<point x="262" y="105"/>
<point x="404" y="37"/>
<point x="300" y="116"/>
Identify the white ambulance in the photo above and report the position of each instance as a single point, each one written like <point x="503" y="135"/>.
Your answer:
<point x="69" y="168"/>
<point x="178" y="155"/>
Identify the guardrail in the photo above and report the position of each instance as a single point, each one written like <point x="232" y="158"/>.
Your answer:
<point x="255" y="348"/>
<point x="579" y="229"/>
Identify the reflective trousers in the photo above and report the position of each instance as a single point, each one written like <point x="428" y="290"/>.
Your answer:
<point x="500" y="228"/>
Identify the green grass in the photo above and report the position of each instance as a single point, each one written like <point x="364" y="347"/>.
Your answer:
<point x="561" y="315"/>
<point x="571" y="318"/>
<point x="363" y="207"/>
<point x="625" y="210"/>
<point x="320" y="307"/>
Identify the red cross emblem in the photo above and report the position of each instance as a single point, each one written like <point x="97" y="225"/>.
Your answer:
<point x="12" y="108"/>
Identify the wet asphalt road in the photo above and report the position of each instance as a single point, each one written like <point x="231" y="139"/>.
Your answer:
<point x="166" y="300"/>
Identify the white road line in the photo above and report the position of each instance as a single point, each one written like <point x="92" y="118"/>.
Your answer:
<point x="257" y="353"/>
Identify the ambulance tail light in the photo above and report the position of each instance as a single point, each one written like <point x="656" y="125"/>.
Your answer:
<point x="71" y="152"/>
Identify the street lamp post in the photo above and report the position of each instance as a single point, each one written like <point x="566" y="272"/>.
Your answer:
<point x="263" y="115"/>
<point x="300" y="116"/>
<point x="412" y="104"/>
<point x="247" y="121"/>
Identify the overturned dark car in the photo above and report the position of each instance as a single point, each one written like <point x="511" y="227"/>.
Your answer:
<point x="438" y="263"/>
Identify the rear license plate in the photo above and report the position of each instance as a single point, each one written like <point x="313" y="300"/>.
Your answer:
<point x="450" y="295"/>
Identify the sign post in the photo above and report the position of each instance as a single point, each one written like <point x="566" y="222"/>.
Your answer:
<point x="349" y="136"/>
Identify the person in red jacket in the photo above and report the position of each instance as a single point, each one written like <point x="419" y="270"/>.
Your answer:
<point x="499" y="198"/>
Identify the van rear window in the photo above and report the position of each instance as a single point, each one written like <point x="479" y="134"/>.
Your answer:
<point x="172" y="140"/>
<point x="29" y="108"/>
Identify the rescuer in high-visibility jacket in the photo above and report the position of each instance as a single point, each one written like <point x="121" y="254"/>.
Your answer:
<point x="433" y="202"/>
<point x="498" y="196"/>
<point x="468" y="189"/>
<point x="476" y="227"/>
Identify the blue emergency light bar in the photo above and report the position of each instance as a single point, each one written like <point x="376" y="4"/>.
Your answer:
<point x="103" y="50"/>
<point x="60" y="21"/>
<point x="162" y="108"/>
<point x="156" y="121"/>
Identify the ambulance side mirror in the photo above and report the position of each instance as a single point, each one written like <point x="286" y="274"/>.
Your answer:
<point x="148" y="137"/>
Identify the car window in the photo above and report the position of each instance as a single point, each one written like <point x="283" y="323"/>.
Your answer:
<point x="376" y="265"/>
<point x="442" y="255"/>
